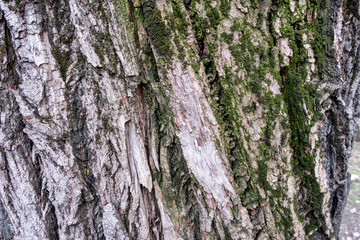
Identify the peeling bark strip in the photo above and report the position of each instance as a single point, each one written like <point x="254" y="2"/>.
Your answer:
<point x="192" y="119"/>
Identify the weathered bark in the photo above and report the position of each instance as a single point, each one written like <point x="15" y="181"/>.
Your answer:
<point x="191" y="119"/>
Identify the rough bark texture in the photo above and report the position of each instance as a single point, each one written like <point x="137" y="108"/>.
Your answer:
<point x="192" y="119"/>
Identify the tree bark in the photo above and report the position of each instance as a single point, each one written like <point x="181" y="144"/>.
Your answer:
<point x="191" y="119"/>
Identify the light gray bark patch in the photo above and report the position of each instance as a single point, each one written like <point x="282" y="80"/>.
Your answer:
<point x="138" y="157"/>
<point x="19" y="163"/>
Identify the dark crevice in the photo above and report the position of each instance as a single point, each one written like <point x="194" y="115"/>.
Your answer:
<point x="185" y="186"/>
<point x="84" y="156"/>
<point x="125" y="215"/>
<point x="258" y="235"/>
<point x="154" y="217"/>
<point x="52" y="226"/>
<point x="132" y="17"/>
<point x="151" y="71"/>
<point x="37" y="174"/>
<point x="187" y="4"/>
<point x="334" y="204"/>
<point x="61" y="42"/>
<point x="13" y="77"/>
<point x="144" y="102"/>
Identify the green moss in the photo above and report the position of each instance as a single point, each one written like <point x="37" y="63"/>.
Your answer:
<point x="236" y="52"/>
<point x="251" y="197"/>
<point x="63" y="60"/>
<point x="225" y="6"/>
<point x="11" y="8"/>
<point x="196" y="67"/>
<point x="150" y="63"/>
<point x="255" y="83"/>
<point x="181" y="54"/>
<point x="313" y="225"/>
<point x="254" y="3"/>
<point x="180" y="21"/>
<point x="218" y="144"/>
<point x="184" y="187"/>
<point x="319" y="44"/>
<point x="228" y="38"/>
<point x="157" y="30"/>
<point x="199" y="25"/>
<point x="284" y="222"/>
<point x="19" y="4"/>
<point x="237" y="26"/>
<point x="179" y="187"/>
<point x="249" y="108"/>
<point x="226" y="232"/>
<point x="262" y="173"/>
<point x="214" y="16"/>
<point x="226" y="95"/>
<point x="297" y="92"/>
<point x="98" y="52"/>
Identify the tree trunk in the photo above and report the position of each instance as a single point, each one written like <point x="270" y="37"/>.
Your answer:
<point x="191" y="119"/>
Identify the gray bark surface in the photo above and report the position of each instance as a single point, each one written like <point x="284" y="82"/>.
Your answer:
<point x="192" y="119"/>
